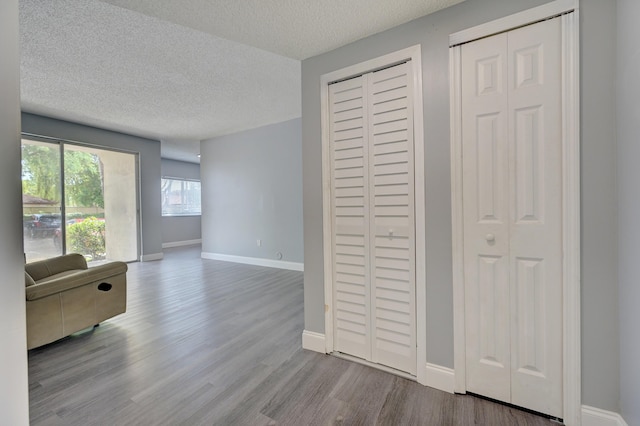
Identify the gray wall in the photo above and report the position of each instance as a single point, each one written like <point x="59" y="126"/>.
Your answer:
<point x="599" y="265"/>
<point x="252" y="189"/>
<point x="14" y="402"/>
<point x="600" y="340"/>
<point x="628" y="111"/>
<point x="180" y="228"/>
<point x="149" y="151"/>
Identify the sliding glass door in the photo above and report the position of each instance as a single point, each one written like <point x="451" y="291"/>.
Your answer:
<point x="41" y="199"/>
<point x="79" y="199"/>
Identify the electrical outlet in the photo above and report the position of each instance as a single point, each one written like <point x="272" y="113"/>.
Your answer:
<point x="259" y="243"/>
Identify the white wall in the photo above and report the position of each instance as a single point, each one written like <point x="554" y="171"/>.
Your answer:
<point x="252" y="189"/>
<point x="599" y="269"/>
<point x="14" y="401"/>
<point x="180" y="229"/>
<point x="628" y="113"/>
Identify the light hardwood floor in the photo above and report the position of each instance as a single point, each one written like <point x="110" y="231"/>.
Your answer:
<point x="206" y="342"/>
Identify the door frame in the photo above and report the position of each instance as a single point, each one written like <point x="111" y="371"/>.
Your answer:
<point x="568" y="12"/>
<point x="413" y="54"/>
<point x="62" y="142"/>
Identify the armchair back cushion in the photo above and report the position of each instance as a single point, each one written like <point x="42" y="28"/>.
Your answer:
<point x="45" y="268"/>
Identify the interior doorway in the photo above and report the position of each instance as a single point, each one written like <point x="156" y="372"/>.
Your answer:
<point x="515" y="167"/>
<point x="512" y="152"/>
<point x="373" y="232"/>
<point x="374" y="213"/>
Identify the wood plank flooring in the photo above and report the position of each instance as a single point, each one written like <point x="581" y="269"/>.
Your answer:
<point x="206" y="342"/>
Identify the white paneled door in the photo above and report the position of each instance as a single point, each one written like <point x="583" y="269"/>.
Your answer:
<point x="512" y="202"/>
<point x="373" y="231"/>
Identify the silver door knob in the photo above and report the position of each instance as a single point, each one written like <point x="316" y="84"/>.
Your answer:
<point x="490" y="238"/>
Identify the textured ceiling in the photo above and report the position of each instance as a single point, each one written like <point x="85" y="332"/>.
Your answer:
<point x="294" y="28"/>
<point x="183" y="71"/>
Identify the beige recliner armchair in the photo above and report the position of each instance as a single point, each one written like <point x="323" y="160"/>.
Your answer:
<point x="64" y="295"/>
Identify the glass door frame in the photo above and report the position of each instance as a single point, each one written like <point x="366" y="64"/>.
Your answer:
<point x="61" y="143"/>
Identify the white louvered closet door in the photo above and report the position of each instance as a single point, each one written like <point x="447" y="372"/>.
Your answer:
<point x="373" y="217"/>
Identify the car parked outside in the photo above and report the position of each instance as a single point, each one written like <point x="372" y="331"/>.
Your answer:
<point x="41" y="225"/>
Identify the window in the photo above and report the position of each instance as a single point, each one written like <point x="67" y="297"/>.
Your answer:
<point x="180" y="197"/>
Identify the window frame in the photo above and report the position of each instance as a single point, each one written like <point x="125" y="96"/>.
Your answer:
<point x="182" y="181"/>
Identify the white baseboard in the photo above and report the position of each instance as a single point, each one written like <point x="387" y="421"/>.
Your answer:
<point x="438" y="377"/>
<point x="181" y="243"/>
<point x="313" y="341"/>
<point x="592" y="416"/>
<point x="280" y="264"/>
<point x="150" y="257"/>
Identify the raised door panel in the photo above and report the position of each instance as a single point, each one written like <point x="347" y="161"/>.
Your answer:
<point x="350" y="215"/>
<point x="535" y="228"/>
